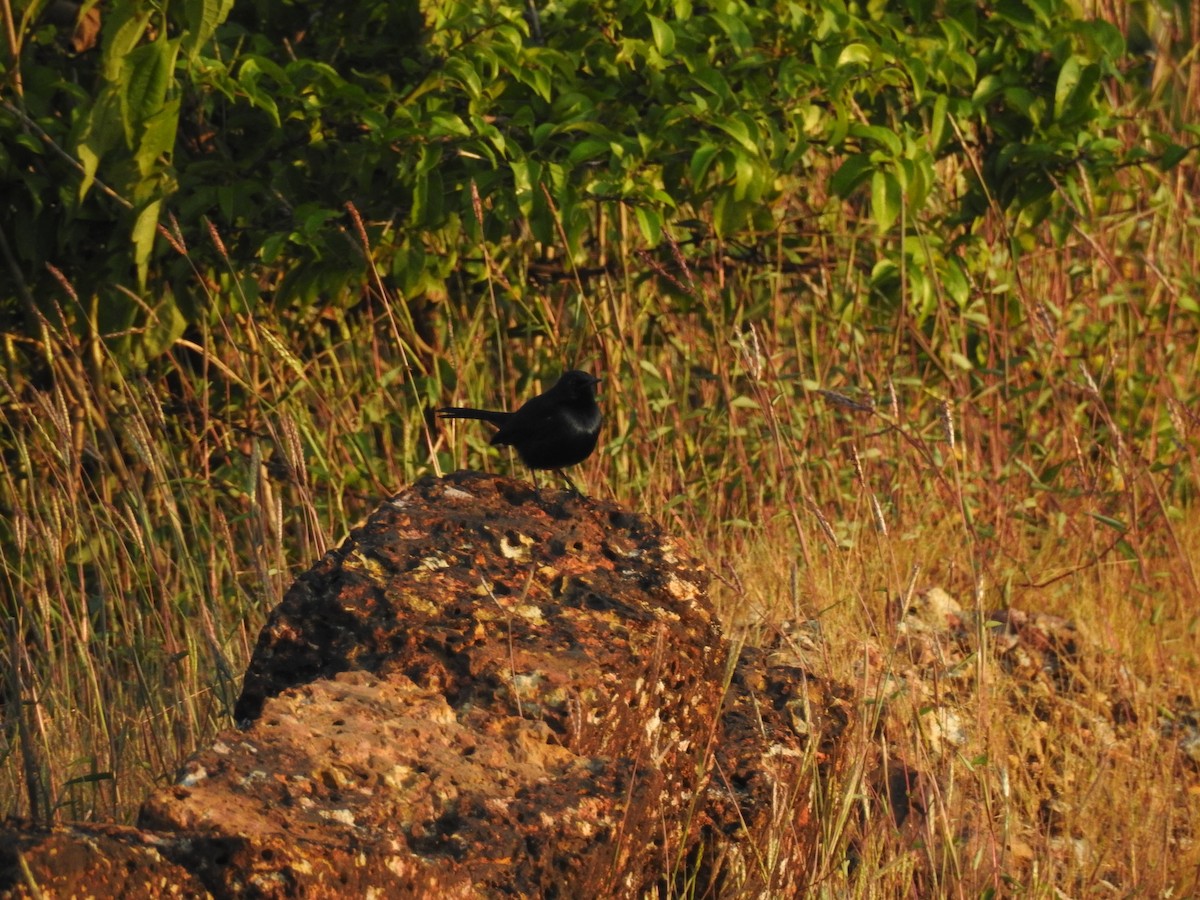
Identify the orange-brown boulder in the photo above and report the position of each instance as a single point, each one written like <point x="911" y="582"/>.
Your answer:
<point x="488" y="690"/>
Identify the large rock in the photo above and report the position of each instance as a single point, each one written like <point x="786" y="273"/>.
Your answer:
<point x="91" y="861"/>
<point x="487" y="690"/>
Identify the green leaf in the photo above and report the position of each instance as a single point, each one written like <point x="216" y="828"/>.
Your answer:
<point x="589" y="149"/>
<point x="537" y="78"/>
<point x="650" y="222"/>
<point x="748" y="182"/>
<point x="988" y="87"/>
<point x="447" y="124"/>
<point x="311" y="220"/>
<point x="146" y="73"/>
<point x="739" y="130"/>
<point x="884" y="137"/>
<point x="145" y="227"/>
<point x="854" y="55"/>
<point x="736" y="30"/>
<point x="664" y="36"/>
<point x="164" y="327"/>
<point x="101" y="130"/>
<point x="885" y="199"/>
<point x="955" y="284"/>
<point x="249" y="73"/>
<point x="525" y="173"/>
<point x="157" y="137"/>
<point x="1024" y="101"/>
<point x="729" y="214"/>
<point x="1115" y="524"/>
<point x="461" y="71"/>
<point x="428" y="200"/>
<point x="712" y="81"/>
<point x="702" y="158"/>
<point x="1071" y="78"/>
<point x="851" y="174"/>
<point x="1104" y="39"/>
<point x="938" y="119"/>
<point x="201" y="18"/>
<point x="123" y="31"/>
<point x="90" y="778"/>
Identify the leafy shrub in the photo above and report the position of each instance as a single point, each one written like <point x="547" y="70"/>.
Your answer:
<point x="730" y="125"/>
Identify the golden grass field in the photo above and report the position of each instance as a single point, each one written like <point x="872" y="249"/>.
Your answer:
<point x="826" y="453"/>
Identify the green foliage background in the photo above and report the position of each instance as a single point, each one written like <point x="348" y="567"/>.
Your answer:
<point x="732" y="128"/>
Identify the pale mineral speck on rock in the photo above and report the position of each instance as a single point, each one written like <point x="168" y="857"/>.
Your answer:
<point x="192" y="776"/>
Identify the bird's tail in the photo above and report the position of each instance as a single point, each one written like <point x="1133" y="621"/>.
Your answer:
<point x="465" y="412"/>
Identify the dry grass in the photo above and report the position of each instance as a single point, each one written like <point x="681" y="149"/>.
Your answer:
<point x="154" y="523"/>
<point x="825" y="451"/>
<point x="1023" y="781"/>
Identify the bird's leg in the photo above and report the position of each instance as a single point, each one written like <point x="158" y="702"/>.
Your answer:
<point x="570" y="484"/>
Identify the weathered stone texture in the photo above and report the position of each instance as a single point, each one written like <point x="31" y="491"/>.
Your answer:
<point x="491" y="691"/>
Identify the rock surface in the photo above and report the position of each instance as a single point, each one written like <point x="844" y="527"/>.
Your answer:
<point x="91" y="861"/>
<point x="485" y="691"/>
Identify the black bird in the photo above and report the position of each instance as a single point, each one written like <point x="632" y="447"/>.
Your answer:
<point x="550" y="431"/>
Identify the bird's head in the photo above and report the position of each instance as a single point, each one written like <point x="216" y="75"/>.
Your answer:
<point x="578" y="384"/>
